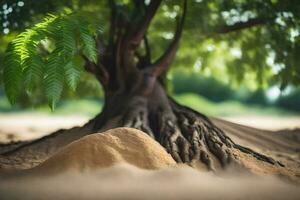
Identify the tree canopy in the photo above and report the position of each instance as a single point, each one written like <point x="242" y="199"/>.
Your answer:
<point x="49" y="40"/>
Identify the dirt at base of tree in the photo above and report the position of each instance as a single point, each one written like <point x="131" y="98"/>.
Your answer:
<point x="136" y="148"/>
<point x="102" y="150"/>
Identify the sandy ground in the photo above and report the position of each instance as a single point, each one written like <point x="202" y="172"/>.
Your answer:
<point x="126" y="182"/>
<point x="267" y="122"/>
<point x="31" y="126"/>
<point x="78" y="171"/>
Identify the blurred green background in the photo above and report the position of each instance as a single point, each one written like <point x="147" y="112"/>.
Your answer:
<point x="205" y="94"/>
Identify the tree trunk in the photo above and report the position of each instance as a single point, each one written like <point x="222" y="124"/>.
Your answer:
<point x="186" y="134"/>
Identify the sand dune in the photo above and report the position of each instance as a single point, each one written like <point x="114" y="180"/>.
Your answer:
<point x="102" y="150"/>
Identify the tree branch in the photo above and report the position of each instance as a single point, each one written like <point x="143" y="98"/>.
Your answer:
<point x="97" y="69"/>
<point x="144" y="60"/>
<point x="143" y="25"/>
<point x="101" y="47"/>
<point x="147" y="49"/>
<point x="120" y="71"/>
<point x="158" y="67"/>
<point x="112" y="28"/>
<point x="243" y="25"/>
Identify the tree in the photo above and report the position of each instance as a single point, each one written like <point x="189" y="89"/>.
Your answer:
<point x="125" y="57"/>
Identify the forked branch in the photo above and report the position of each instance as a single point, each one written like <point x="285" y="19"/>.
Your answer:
<point x="159" y="66"/>
<point x="98" y="70"/>
<point x="140" y="30"/>
<point x="147" y="49"/>
<point x="145" y="59"/>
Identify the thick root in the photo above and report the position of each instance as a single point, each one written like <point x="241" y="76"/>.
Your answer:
<point x="208" y="141"/>
<point x="174" y="142"/>
<point x="187" y="135"/>
<point x="193" y="141"/>
<point x="136" y="116"/>
<point x="208" y="144"/>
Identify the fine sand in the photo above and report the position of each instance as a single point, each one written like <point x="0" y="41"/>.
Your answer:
<point x="102" y="150"/>
<point x="126" y="163"/>
<point x="126" y="182"/>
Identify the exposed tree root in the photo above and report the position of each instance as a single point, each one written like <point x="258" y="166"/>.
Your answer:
<point x="189" y="136"/>
<point x="186" y="134"/>
<point x="136" y="116"/>
<point x="210" y="139"/>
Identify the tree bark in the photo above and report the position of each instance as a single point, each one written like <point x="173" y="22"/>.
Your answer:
<point x="187" y="135"/>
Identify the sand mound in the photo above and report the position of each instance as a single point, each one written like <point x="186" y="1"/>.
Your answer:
<point x="106" y="149"/>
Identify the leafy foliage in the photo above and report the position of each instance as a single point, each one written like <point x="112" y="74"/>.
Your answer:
<point x="45" y="54"/>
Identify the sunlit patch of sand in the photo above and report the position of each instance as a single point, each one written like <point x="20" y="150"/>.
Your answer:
<point x="125" y="181"/>
<point x="101" y="150"/>
<point x="273" y="123"/>
<point x="28" y="126"/>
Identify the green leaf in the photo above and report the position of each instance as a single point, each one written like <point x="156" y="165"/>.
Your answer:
<point x="67" y="42"/>
<point x="12" y="73"/>
<point x="33" y="71"/>
<point x="72" y="73"/>
<point x="54" y="78"/>
<point x="89" y="44"/>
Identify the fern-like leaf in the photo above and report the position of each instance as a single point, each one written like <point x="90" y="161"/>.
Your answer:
<point x="12" y="74"/>
<point x="33" y="71"/>
<point x="72" y="74"/>
<point x="54" y="79"/>
<point x="47" y="52"/>
<point x="89" y="44"/>
<point x="67" y="41"/>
